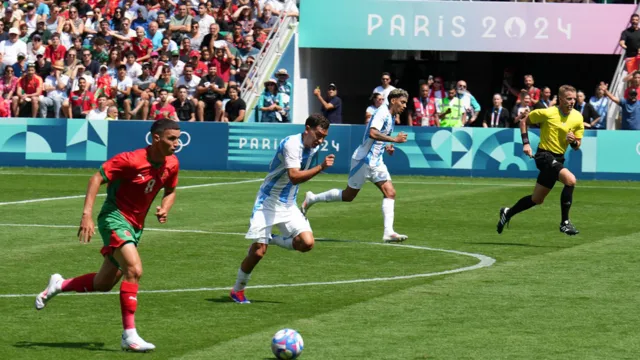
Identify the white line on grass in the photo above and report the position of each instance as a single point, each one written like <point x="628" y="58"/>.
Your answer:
<point x="408" y="182"/>
<point x="485" y="261"/>
<point x="81" y="196"/>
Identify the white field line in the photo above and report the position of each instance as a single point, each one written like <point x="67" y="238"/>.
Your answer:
<point x="81" y="196"/>
<point x="485" y="261"/>
<point x="425" y="182"/>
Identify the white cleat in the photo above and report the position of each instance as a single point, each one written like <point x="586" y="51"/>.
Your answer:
<point x="135" y="343"/>
<point x="394" y="238"/>
<point x="53" y="289"/>
<point x="305" y="204"/>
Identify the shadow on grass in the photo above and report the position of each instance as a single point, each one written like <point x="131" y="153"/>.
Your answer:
<point x="91" y="346"/>
<point x="516" y="244"/>
<point x="226" y="299"/>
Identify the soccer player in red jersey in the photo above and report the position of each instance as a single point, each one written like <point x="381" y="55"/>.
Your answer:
<point x="133" y="180"/>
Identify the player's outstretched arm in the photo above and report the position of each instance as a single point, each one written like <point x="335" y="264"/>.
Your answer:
<point x="298" y="176"/>
<point x="375" y="134"/>
<point x="167" y="202"/>
<point x="87" y="227"/>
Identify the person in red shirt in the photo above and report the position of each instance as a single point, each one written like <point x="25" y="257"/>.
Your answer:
<point x="534" y="92"/>
<point x="80" y="102"/>
<point x="55" y="51"/>
<point x="28" y="90"/>
<point x="133" y="180"/>
<point x="223" y="58"/>
<point x="163" y="109"/>
<point x="200" y="69"/>
<point x="141" y="45"/>
<point x="634" y="83"/>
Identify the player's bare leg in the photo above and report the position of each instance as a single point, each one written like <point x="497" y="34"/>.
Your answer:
<point x="537" y="198"/>
<point x="129" y="259"/>
<point x="346" y="195"/>
<point x="566" y="199"/>
<point x="388" y="205"/>
<point x="256" y="252"/>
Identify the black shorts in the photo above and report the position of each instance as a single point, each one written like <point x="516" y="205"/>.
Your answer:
<point x="550" y="164"/>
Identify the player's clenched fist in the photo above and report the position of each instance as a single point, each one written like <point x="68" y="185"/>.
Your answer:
<point x="401" y="137"/>
<point x="328" y="161"/>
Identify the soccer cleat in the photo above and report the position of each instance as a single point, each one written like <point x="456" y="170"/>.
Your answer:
<point x="504" y="220"/>
<point x="135" y="343"/>
<point x="53" y="289"/>
<point x="238" y="296"/>
<point x="306" y="203"/>
<point x="394" y="238"/>
<point x="568" y="228"/>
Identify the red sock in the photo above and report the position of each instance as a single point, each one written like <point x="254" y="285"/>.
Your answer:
<point x="79" y="284"/>
<point x="128" y="304"/>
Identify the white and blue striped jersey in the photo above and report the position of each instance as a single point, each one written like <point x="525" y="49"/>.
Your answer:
<point x="291" y="154"/>
<point x="370" y="150"/>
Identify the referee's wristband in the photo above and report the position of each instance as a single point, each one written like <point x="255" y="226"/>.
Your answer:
<point x="525" y="138"/>
<point x="574" y="144"/>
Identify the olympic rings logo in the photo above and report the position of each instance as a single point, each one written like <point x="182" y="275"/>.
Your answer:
<point x="181" y="143"/>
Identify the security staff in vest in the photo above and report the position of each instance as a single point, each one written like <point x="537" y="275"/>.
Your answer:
<point x="453" y="113"/>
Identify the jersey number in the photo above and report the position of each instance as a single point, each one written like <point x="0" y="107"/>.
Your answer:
<point x="150" y="185"/>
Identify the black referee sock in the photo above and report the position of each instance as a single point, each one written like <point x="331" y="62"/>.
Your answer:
<point x="566" y="198"/>
<point x="522" y="205"/>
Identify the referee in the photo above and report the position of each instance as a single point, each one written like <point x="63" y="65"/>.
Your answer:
<point x="560" y="126"/>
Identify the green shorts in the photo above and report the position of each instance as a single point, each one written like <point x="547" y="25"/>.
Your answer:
<point x="116" y="231"/>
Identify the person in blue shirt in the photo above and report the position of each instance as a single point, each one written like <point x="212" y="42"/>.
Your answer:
<point x="601" y="104"/>
<point x="270" y="102"/>
<point x="630" y="108"/>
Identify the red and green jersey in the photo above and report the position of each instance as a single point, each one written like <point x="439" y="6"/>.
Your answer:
<point x="133" y="183"/>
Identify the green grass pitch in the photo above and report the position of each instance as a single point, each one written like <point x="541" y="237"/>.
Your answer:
<point x="547" y="296"/>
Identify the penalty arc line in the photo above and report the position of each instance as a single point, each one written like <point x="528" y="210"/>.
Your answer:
<point x="485" y="261"/>
<point x="82" y="196"/>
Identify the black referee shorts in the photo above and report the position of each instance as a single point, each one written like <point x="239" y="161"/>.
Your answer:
<point x="550" y="164"/>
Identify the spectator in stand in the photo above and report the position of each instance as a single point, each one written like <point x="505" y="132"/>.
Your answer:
<point x="211" y="90"/>
<point x="55" y="50"/>
<point x="103" y="83"/>
<point x="99" y="53"/>
<point x="376" y="100"/>
<point x="12" y="47"/>
<point x="196" y="35"/>
<point x="76" y="23"/>
<point x="70" y="62"/>
<point x="185" y="109"/>
<point x="235" y="109"/>
<point x="100" y="112"/>
<point x="267" y="20"/>
<point x="155" y="35"/>
<point x="190" y="81"/>
<point x="630" y="41"/>
<point x="200" y="69"/>
<point x="284" y="86"/>
<point x="437" y="89"/>
<point x="424" y="110"/>
<point x="28" y="91"/>
<point x="43" y="67"/>
<point x="452" y="111"/>
<point x="112" y="113"/>
<point x="55" y="88"/>
<point x="385" y="88"/>
<point x="8" y="84"/>
<point x="331" y="105"/>
<point x="31" y="19"/>
<point x="3" y="33"/>
<point x="180" y="24"/>
<point x="121" y="90"/>
<point x="248" y="49"/>
<point x="630" y="108"/>
<point x="176" y="65"/>
<point x="223" y="60"/>
<point x="21" y="66"/>
<point x="81" y="101"/>
<point x="143" y="92"/>
<point x="204" y="19"/>
<point x="35" y="48"/>
<point x="521" y="107"/>
<point x="185" y="50"/>
<point x="41" y="31"/>
<point x="52" y="22"/>
<point x="545" y="99"/>
<point x="90" y="65"/>
<point x="469" y="102"/>
<point x="240" y="75"/>
<point x="634" y="83"/>
<point x="163" y="109"/>
<point x="166" y="81"/>
<point x="225" y="15"/>
<point x="270" y="102"/>
<point x="601" y="104"/>
<point x="134" y="69"/>
<point x="534" y="92"/>
<point x="141" y="46"/>
<point x="497" y="116"/>
<point x="213" y="36"/>
<point x="156" y="65"/>
<point x="589" y="114"/>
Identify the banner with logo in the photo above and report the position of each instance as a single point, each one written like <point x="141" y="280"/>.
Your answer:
<point x="463" y="26"/>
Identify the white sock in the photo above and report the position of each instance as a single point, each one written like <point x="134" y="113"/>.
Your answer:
<point x="130" y="332"/>
<point x="327" y="196"/>
<point x="241" y="280"/>
<point x="388" y="213"/>
<point x="278" y="240"/>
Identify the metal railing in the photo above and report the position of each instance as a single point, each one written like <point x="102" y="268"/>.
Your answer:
<point x="266" y="61"/>
<point x="616" y="87"/>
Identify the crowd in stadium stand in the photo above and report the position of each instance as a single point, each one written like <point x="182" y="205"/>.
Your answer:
<point x="132" y="59"/>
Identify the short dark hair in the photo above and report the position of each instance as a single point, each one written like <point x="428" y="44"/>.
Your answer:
<point x="160" y="126"/>
<point x="386" y="74"/>
<point x="182" y="87"/>
<point x="120" y="67"/>
<point x="163" y="90"/>
<point x="130" y="53"/>
<point x="634" y="15"/>
<point x="315" y="120"/>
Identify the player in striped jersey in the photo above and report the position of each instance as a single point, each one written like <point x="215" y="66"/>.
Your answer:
<point x="276" y="204"/>
<point x="367" y="164"/>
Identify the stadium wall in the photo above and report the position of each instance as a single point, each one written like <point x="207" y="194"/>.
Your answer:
<point x="473" y="152"/>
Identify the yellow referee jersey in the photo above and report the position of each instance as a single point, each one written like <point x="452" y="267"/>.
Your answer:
<point x="554" y="127"/>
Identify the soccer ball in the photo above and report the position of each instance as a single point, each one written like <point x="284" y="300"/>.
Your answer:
<point x="287" y="344"/>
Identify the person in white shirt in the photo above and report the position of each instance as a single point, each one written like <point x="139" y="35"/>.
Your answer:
<point x="204" y="20"/>
<point x="134" y="69"/>
<point x="385" y="88"/>
<point x="55" y="88"/>
<point x="176" y="65"/>
<point x="376" y="100"/>
<point x="99" y="113"/>
<point x="121" y="89"/>
<point x="276" y="204"/>
<point x="12" y="47"/>
<point x="367" y="164"/>
<point x="190" y="81"/>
